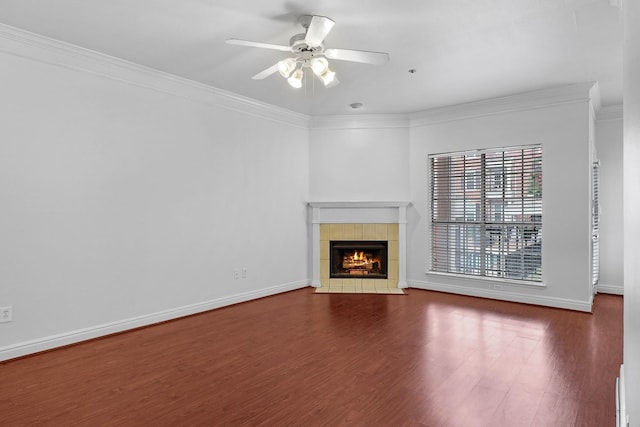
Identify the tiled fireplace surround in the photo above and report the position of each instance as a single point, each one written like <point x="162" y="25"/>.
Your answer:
<point x="359" y="221"/>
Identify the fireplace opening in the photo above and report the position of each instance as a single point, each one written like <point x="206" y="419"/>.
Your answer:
<point x="358" y="259"/>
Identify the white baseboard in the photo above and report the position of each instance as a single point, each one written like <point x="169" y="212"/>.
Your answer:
<point x="72" y="337"/>
<point x="505" y="296"/>
<point x="621" y="407"/>
<point x="603" y="288"/>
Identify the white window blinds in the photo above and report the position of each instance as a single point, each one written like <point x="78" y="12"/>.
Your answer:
<point x="486" y="213"/>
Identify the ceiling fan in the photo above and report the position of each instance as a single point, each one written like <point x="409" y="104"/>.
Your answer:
<point x="309" y="52"/>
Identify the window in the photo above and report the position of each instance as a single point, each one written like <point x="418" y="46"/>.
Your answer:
<point x="496" y="179"/>
<point x="486" y="213"/>
<point x="472" y="180"/>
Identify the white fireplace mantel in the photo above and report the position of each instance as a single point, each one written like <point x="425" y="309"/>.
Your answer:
<point x="359" y="212"/>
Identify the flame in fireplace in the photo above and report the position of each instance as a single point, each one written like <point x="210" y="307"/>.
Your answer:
<point x="360" y="257"/>
<point x="359" y="260"/>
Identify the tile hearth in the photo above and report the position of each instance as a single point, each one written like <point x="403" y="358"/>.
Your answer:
<point x="358" y="290"/>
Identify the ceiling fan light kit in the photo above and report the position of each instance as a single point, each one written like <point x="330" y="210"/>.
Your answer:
<point x="319" y="65"/>
<point x="328" y="78"/>
<point x="296" y="78"/>
<point x="286" y="67"/>
<point x="309" y="52"/>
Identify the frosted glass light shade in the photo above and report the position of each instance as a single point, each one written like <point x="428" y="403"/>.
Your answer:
<point x="286" y="67"/>
<point x="296" y="79"/>
<point x="327" y="77"/>
<point x="319" y="65"/>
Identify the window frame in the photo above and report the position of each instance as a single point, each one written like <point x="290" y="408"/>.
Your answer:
<point x="484" y="260"/>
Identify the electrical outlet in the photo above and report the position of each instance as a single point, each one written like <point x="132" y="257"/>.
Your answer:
<point x="244" y="273"/>
<point x="236" y="274"/>
<point x="6" y="314"/>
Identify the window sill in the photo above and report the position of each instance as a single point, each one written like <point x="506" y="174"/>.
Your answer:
<point x="484" y="280"/>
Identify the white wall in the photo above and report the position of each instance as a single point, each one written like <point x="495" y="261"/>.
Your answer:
<point x="130" y="196"/>
<point x="563" y="130"/>
<point x="609" y="145"/>
<point x="125" y="203"/>
<point x="359" y="158"/>
<point x="631" y="93"/>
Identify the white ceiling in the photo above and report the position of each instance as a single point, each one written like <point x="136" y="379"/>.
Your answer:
<point x="463" y="50"/>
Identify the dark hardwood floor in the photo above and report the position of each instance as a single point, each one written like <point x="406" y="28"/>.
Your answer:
<point x="305" y="359"/>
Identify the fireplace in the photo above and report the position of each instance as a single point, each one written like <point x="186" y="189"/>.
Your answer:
<point x="358" y="259"/>
<point x="376" y="230"/>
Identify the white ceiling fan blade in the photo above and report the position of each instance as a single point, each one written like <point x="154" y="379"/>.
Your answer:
<point x="266" y="73"/>
<point x="258" y="44"/>
<point x="363" y="56"/>
<point x="318" y="29"/>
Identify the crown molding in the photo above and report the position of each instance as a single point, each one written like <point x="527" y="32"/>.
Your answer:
<point x="571" y="94"/>
<point x="610" y="112"/>
<point x="361" y="121"/>
<point x="21" y="43"/>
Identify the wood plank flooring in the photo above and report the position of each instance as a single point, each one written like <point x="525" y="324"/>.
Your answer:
<point x="305" y="359"/>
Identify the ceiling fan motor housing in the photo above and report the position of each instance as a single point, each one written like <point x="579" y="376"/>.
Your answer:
<point x="298" y="44"/>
